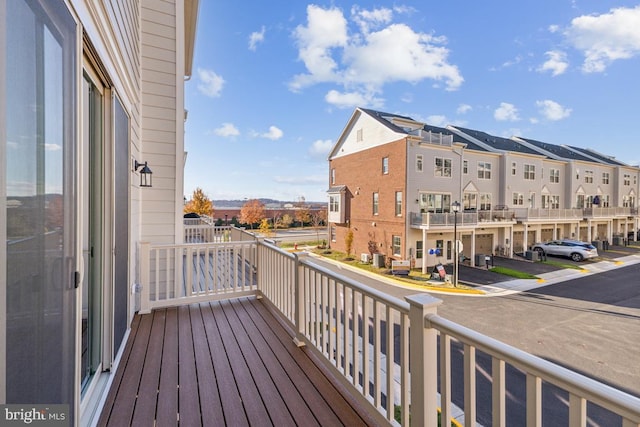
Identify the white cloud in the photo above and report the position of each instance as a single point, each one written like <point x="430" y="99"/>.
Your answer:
<point x="210" y="83"/>
<point x="437" y="120"/>
<point x="321" y="148"/>
<point x="255" y="38"/>
<point x="556" y="63"/>
<point x="463" y="109"/>
<point x="606" y="38"/>
<point x="506" y="112"/>
<point x="551" y="110"/>
<point x="352" y="99"/>
<point x="52" y="147"/>
<point x="377" y="52"/>
<point x="273" y="134"/>
<point x="227" y="130"/>
<point x="367" y="19"/>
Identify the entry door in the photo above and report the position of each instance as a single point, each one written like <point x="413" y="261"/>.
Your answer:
<point x="93" y="229"/>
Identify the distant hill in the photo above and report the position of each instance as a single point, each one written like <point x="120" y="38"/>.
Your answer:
<point x="270" y="203"/>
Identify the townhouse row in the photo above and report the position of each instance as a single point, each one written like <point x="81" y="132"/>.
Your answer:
<point x="395" y="183"/>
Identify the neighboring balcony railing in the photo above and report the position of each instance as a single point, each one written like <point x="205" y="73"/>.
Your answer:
<point x="205" y="233"/>
<point x="363" y="336"/>
<point x="609" y="212"/>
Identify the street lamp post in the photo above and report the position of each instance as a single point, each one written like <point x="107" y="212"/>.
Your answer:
<point x="455" y="207"/>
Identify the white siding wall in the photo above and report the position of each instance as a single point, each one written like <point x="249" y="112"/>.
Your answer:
<point x="161" y="104"/>
<point x="373" y="134"/>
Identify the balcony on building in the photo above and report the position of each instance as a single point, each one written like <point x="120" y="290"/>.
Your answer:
<point x="235" y="330"/>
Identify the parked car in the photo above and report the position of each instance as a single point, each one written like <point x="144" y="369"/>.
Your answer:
<point x="573" y="249"/>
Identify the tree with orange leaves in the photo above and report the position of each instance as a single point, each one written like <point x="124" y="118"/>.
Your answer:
<point x="252" y="212"/>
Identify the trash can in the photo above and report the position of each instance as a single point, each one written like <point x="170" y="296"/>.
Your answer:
<point x="598" y="244"/>
<point x="479" y="260"/>
<point x="605" y="245"/>
<point x="532" y="255"/>
<point x="617" y="241"/>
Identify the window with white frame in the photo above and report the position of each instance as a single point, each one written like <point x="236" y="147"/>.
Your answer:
<point x="385" y="165"/>
<point x="484" y="170"/>
<point x="442" y="167"/>
<point x="334" y="203"/>
<point x="605" y="177"/>
<point x="530" y="172"/>
<point x="396" y="242"/>
<point x="485" y="201"/>
<point x="513" y="168"/>
<point x="375" y="203"/>
<point x="554" y="175"/>
<point x="398" y="203"/>
<point x="333" y="176"/>
<point x="588" y="177"/>
<point x="626" y="179"/>
<point x="518" y="199"/>
<point x="470" y="201"/>
<point x="550" y="201"/>
<point x="419" y="249"/>
<point x="580" y="201"/>
<point x="465" y="167"/>
<point x="419" y="163"/>
<point x="604" y="201"/>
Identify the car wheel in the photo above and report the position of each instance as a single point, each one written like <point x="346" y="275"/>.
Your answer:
<point x="539" y="250"/>
<point x="576" y="257"/>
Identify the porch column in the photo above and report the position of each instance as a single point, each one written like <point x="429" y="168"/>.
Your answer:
<point x="473" y="248"/>
<point x="510" y="242"/>
<point x="589" y="230"/>
<point x="525" y="238"/>
<point x="424" y="251"/>
<point x="554" y="236"/>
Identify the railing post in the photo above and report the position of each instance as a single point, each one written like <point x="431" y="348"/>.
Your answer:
<point x="298" y="297"/>
<point x="145" y="282"/>
<point x="423" y="361"/>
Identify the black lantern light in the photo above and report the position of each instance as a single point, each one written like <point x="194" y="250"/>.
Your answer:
<point x="145" y="173"/>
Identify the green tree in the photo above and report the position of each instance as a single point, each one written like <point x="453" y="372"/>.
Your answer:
<point x="252" y="212"/>
<point x="199" y="203"/>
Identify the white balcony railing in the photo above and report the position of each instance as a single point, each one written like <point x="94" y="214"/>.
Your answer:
<point x="363" y="335"/>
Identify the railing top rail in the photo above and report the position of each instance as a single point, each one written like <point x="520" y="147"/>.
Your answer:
<point x="608" y="397"/>
<point x="211" y="244"/>
<point x="271" y="245"/>
<point x="392" y="301"/>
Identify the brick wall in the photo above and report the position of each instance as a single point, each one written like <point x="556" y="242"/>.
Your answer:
<point x="362" y="174"/>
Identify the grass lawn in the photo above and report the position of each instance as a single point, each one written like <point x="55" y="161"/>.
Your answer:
<point x="415" y="277"/>
<point x="513" y="273"/>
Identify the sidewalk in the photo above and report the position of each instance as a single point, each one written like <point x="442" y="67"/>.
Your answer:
<point x="486" y="283"/>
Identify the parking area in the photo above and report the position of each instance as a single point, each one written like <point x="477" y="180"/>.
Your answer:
<point x="482" y="276"/>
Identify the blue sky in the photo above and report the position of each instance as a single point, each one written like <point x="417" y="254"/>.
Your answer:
<point x="274" y="83"/>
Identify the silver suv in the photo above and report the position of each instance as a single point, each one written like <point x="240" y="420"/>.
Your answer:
<point x="573" y="249"/>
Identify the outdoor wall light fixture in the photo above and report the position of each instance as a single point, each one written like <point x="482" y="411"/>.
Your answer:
<point x="145" y="173"/>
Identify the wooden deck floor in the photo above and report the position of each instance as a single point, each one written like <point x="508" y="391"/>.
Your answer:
<point x="220" y="363"/>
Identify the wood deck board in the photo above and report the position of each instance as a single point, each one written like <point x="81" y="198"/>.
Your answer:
<point x="211" y="401"/>
<point x="322" y="387"/>
<point x="278" y="369"/>
<point x="220" y="363"/>
<point x="168" y="386"/>
<point x="188" y="396"/>
<point x="269" y="393"/>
